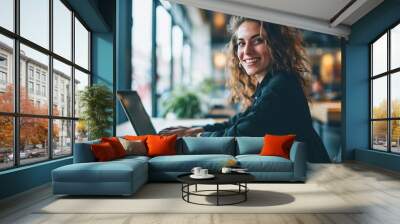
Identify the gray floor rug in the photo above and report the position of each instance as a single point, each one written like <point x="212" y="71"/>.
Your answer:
<point x="166" y="198"/>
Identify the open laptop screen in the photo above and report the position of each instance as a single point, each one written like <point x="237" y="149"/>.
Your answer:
<point x="135" y="112"/>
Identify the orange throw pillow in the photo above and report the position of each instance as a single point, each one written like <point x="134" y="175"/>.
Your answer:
<point x="135" y="138"/>
<point x="103" y="151"/>
<point x="116" y="145"/>
<point x="160" y="145"/>
<point x="277" y="145"/>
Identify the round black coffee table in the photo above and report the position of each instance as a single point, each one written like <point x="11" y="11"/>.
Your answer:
<point x="238" y="179"/>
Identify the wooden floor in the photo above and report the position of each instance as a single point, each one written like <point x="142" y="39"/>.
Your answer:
<point x="377" y="188"/>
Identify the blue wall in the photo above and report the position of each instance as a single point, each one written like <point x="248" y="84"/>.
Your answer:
<point x="24" y="178"/>
<point x="357" y="84"/>
<point x="102" y="58"/>
<point x="123" y="51"/>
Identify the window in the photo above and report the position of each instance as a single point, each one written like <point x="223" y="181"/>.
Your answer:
<point x="38" y="89"/>
<point x="30" y="87"/>
<point x="37" y="75"/>
<point x="141" y="55"/>
<point x="7" y="88"/>
<point x="177" y="48"/>
<point x="164" y="27"/>
<point x="43" y="90"/>
<point x="30" y="72"/>
<point x="62" y="31"/>
<point x="7" y="14"/>
<point x="34" y="24"/>
<point x="81" y="45"/>
<point x="53" y="125"/>
<point x="154" y="80"/>
<point x="3" y="78"/>
<point x="385" y="94"/>
<point x="3" y="61"/>
<point x="62" y="74"/>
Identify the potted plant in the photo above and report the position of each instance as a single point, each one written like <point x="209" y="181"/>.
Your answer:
<point x="96" y="102"/>
<point x="184" y="104"/>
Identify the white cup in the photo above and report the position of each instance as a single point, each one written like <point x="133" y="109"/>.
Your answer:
<point x="203" y="172"/>
<point x="226" y="170"/>
<point x="196" y="170"/>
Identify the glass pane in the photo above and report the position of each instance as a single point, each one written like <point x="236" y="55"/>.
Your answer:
<point x="62" y="29"/>
<point x="163" y="50"/>
<point x="62" y="89"/>
<point x="7" y="14"/>
<point x="6" y="74"/>
<point x="379" y="97"/>
<point x="33" y="139"/>
<point x="379" y="135"/>
<point x="141" y="55"/>
<point x="395" y="136"/>
<point x="395" y="94"/>
<point x="6" y="142"/>
<point x="395" y="47"/>
<point x="34" y="72"/>
<point x="379" y="55"/>
<point x="186" y="64"/>
<point x="81" y="81"/>
<point x="177" y="48"/>
<point x="62" y="138"/>
<point x="81" y="131"/>
<point x="81" y="45"/>
<point x="35" y="21"/>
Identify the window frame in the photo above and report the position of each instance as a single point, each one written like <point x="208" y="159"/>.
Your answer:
<point x="16" y="115"/>
<point x="388" y="74"/>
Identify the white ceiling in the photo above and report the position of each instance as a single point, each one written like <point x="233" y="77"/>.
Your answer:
<point x="319" y="9"/>
<point x="314" y="15"/>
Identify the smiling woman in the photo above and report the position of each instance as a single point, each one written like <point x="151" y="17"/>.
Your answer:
<point x="268" y="70"/>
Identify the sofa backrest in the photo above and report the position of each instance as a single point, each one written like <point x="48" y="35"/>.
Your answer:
<point x="249" y="145"/>
<point x="206" y="145"/>
<point x="83" y="153"/>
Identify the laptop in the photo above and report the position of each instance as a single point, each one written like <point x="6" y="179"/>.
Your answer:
<point x="134" y="110"/>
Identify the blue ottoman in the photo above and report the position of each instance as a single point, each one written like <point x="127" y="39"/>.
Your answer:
<point x="118" y="177"/>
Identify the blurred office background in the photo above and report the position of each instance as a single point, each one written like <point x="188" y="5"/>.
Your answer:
<point x="187" y="79"/>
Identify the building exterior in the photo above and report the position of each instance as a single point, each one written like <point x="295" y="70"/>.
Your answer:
<point x="34" y="80"/>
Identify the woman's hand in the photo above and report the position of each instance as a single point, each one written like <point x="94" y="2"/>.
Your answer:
<point x="181" y="131"/>
<point x="193" y="131"/>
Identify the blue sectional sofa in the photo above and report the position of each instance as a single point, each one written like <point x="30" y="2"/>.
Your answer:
<point x="125" y="176"/>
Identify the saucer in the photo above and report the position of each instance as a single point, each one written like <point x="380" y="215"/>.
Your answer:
<point x="208" y="176"/>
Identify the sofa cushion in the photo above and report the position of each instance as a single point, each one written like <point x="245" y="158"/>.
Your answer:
<point x="134" y="137"/>
<point x="257" y="163"/>
<point x="134" y="147"/>
<point x="185" y="163"/>
<point x="111" y="171"/>
<point x="83" y="152"/>
<point x="131" y="158"/>
<point x="249" y="145"/>
<point x="277" y="145"/>
<point x="161" y="145"/>
<point x="208" y="145"/>
<point x="116" y="145"/>
<point x="103" y="152"/>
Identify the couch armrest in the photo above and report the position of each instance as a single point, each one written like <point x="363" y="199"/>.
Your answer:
<point x="83" y="153"/>
<point x="298" y="155"/>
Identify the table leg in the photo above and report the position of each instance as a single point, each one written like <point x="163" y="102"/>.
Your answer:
<point x="196" y="188"/>
<point x="217" y="194"/>
<point x="245" y="191"/>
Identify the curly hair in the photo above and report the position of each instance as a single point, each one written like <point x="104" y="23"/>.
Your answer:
<point x="286" y="52"/>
